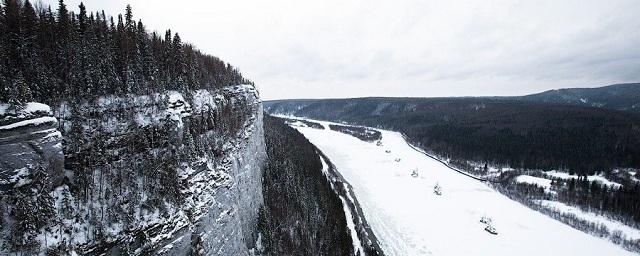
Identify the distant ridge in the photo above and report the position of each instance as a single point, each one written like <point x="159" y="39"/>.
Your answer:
<point x="625" y="97"/>
<point x="622" y="97"/>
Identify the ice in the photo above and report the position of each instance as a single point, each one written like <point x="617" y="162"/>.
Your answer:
<point x="409" y="219"/>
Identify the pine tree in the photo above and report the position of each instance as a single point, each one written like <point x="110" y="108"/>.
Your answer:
<point x="13" y="36"/>
<point x="29" y="24"/>
<point x="62" y="48"/>
<point x="82" y="19"/>
<point x="32" y="67"/>
<point x="178" y="64"/>
<point x="33" y="208"/>
<point x="63" y="24"/>
<point x="130" y="48"/>
<point x="167" y="58"/>
<point x="18" y="92"/>
<point x="129" y="17"/>
<point x="7" y="89"/>
<point x="149" y="69"/>
<point x="46" y="37"/>
<point x="572" y="185"/>
<point x="47" y="55"/>
<point x="4" y="83"/>
<point x="24" y="92"/>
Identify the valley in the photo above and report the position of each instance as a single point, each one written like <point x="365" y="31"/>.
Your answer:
<point x="346" y="128"/>
<point x="394" y="184"/>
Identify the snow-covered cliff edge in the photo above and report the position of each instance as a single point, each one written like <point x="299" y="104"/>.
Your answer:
<point x="28" y="135"/>
<point x="172" y="173"/>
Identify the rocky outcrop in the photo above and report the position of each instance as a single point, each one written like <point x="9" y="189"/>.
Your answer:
<point x="165" y="174"/>
<point x="229" y="227"/>
<point x="176" y="173"/>
<point x="29" y="139"/>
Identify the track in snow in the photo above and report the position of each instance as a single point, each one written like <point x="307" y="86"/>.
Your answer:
<point x="409" y="219"/>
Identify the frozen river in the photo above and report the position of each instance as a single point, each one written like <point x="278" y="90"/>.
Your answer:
<point x="408" y="218"/>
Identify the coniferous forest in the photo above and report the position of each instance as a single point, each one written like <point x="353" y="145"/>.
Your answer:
<point x="119" y="139"/>
<point x="505" y="132"/>
<point x="46" y="55"/>
<point x="287" y="206"/>
<point x="508" y="132"/>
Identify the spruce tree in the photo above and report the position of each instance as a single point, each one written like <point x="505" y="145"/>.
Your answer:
<point x="32" y="66"/>
<point x="47" y="56"/>
<point x="129" y="17"/>
<point x="20" y="92"/>
<point x="29" y="23"/>
<point x="46" y="40"/>
<point x="63" y="23"/>
<point x="10" y="50"/>
<point x="82" y="18"/>
<point x="13" y="36"/>
<point x="4" y="84"/>
<point x="62" y="48"/>
<point x="5" y="90"/>
<point x="178" y="64"/>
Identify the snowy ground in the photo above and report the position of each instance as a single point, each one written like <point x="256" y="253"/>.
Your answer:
<point x="409" y="219"/>
<point x="541" y="182"/>
<point x="598" y="178"/>
<point x="612" y="225"/>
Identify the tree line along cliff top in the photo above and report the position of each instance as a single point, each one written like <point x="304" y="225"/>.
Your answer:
<point x="47" y="55"/>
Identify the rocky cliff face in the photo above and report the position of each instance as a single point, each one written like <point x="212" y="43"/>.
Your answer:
<point x="172" y="173"/>
<point x="28" y="139"/>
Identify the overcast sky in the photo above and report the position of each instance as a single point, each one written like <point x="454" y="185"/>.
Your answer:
<point x="353" y="48"/>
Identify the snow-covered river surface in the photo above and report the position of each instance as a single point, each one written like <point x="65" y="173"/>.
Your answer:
<point x="408" y="218"/>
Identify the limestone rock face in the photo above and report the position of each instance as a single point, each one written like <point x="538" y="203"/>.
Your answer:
<point x="29" y="139"/>
<point x="173" y="173"/>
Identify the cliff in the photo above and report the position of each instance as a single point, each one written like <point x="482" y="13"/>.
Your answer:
<point x="172" y="173"/>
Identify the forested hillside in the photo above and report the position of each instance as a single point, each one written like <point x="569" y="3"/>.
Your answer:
<point x="117" y="141"/>
<point x="307" y="200"/>
<point x="138" y="147"/>
<point x="624" y="97"/>
<point x="306" y="216"/>
<point x="46" y="56"/>
<point x="515" y="145"/>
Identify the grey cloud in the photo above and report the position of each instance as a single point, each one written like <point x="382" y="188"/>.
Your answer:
<point x="348" y="48"/>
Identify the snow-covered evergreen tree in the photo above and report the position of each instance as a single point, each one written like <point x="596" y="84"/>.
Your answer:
<point x="83" y="55"/>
